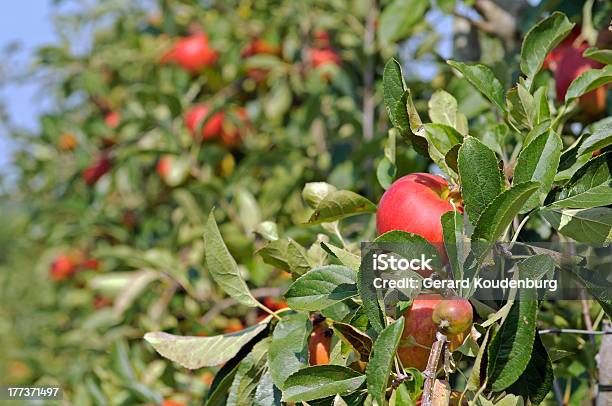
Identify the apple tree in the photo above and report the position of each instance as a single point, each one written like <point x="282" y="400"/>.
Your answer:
<point x="500" y="177"/>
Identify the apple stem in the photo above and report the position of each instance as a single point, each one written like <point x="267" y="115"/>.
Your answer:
<point x="432" y="367"/>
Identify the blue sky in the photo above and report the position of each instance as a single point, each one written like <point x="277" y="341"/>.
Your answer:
<point x="28" y="23"/>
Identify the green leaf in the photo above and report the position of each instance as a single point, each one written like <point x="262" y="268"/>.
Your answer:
<point x="440" y="140"/>
<point x="600" y="137"/>
<point x="385" y="172"/>
<point x="600" y="55"/>
<point x="398" y="18"/>
<point x="381" y="360"/>
<point x="393" y="91"/>
<point x="288" y="351"/>
<point x="417" y="135"/>
<point x="143" y="393"/>
<point x="297" y="259"/>
<point x="481" y="179"/>
<point x="262" y="61"/>
<point x="507" y="358"/>
<point x="536" y="267"/>
<point x="275" y="253"/>
<point x="401" y="120"/>
<point x="321" y="381"/>
<point x="452" y="229"/>
<point x="591" y="186"/>
<point x="540" y="40"/>
<point x="537" y="379"/>
<point x="571" y="161"/>
<point x="483" y="79"/>
<point x="542" y="109"/>
<point x="322" y="287"/>
<point x="410" y="245"/>
<point x="500" y="213"/>
<point x="584" y="225"/>
<point x="447" y="6"/>
<point x="597" y="284"/>
<point x="475" y="379"/>
<point x="443" y="110"/>
<point x="525" y="110"/>
<point x="508" y="400"/>
<point x="340" y="311"/>
<point x="278" y="100"/>
<point x="452" y="157"/>
<point x="250" y="371"/>
<point x="219" y="389"/>
<point x="314" y="192"/>
<point x="98" y="397"/>
<point x="360" y="341"/>
<point x="341" y="204"/>
<point x="195" y="352"/>
<point x="386" y="169"/>
<point x="409" y="392"/>
<point x="121" y="361"/>
<point x="223" y="267"/>
<point x="267" y="394"/>
<point x="348" y="259"/>
<point x="248" y="210"/>
<point x="587" y="81"/>
<point x="517" y="111"/>
<point x="539" y="161"/>
<point x="367" y="293"/>
<point x="536" y="132"/>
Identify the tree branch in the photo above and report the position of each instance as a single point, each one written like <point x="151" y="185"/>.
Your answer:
<point x="432" y="367"/>
<point x="229" y="302"/>
<point x="368" y="74"/>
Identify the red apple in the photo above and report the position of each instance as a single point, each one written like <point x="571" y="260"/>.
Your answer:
<point x="552" y="59"/>
<point x="169" y="402"/>
<point x="420" y="332"/>
<point x="453" y="315"/>
<point x="319" y="345"/>
<point x="99" y="168"/>
<point x="322" y="56"/>
<point x="211" y="128"/>
<point x="260" y="46"/>
<point x="321" y="39"/>
<point x="100" y="302"/>
<point x="233" y="133"/>
<point x="415" y="203"/>
<point x="193" y="53"/>
<point x="571" y="65"/>
<point x="208" y="378"/>
<point x="274" y="304"/>
<point x="90" y="263"/>
<point x="593" y="104"/>
<point x="62" y="268"/>
<point x="67" y="142"/>
<point x="234" y="326"/>
<point x="112" y="119"/>
<point x="163" y="166"/>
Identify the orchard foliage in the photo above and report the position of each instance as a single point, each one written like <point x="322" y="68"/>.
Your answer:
<point x="211" y="171"/>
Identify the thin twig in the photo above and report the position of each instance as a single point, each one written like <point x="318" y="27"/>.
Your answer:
<point x="432" y="367"/>
<point x="218" y="308"/>
<point x="557" y="392"/>
<point x="573" y="331"/>
<point x="586" y="315"/>
<point x="604" y="362"/>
